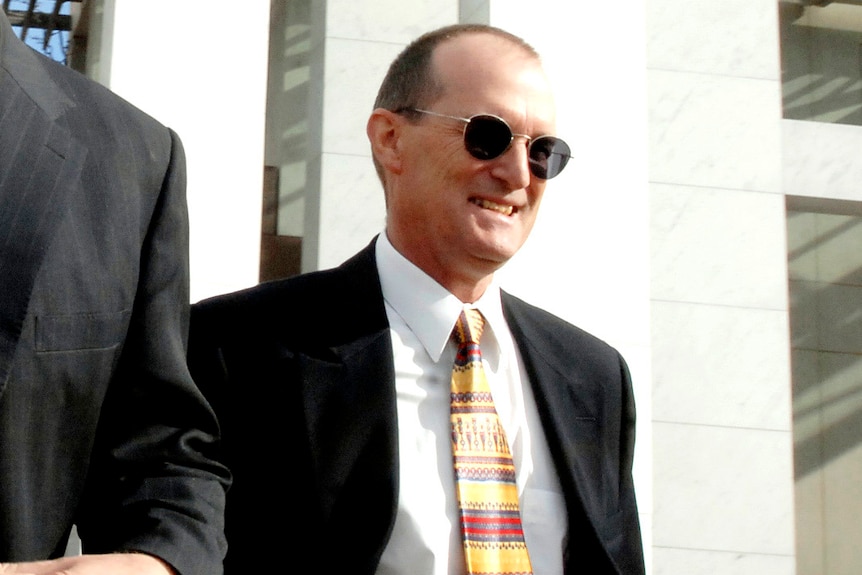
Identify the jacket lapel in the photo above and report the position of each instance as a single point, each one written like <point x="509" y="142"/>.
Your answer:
<point x="40" y="167"/>
<point x="568" y="406"/>
<point x="564" y="411"/>
<point x="349" y="409"/>
<point x="351" y="418"/>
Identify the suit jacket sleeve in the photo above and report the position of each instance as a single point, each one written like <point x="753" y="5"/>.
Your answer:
<point x="154" y="483"/>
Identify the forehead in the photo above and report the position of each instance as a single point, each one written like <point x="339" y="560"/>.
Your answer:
<point x="484" y="73"/>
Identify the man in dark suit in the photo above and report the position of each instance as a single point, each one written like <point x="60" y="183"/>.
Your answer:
<point x="101" y="425"/>
<point x="333" y="387"/>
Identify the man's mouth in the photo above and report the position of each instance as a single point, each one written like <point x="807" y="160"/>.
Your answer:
<point x="489" y="205"/>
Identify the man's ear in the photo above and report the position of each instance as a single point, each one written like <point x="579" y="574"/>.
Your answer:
<point x="384" y="133"/>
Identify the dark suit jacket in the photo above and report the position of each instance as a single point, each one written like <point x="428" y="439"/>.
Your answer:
<point x="301" y="375"/>
<point x="100" y="422"/>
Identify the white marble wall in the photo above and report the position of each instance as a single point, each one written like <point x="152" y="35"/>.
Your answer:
<point x="822" y="160"/>
<point x="723" y="475"/>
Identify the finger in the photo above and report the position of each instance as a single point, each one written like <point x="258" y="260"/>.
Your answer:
<point x="29" y="568"/>
<point x="50" y="567"/>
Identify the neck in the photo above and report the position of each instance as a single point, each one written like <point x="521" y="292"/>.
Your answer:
<point x="468" y="284"/>
<point x="469" y="291"/>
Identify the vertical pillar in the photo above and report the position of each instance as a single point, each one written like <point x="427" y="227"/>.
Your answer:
<point x="721" y="391"/>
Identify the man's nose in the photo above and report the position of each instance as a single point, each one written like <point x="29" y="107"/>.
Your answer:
<point x="513" y="165"/>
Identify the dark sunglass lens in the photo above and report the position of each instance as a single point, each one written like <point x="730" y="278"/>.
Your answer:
<point x="486" y="137"/>
<point x="548" y="156"/>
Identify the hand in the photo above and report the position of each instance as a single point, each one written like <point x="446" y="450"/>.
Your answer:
<point x="113" y="564"/>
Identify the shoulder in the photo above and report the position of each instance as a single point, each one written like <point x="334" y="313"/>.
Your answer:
<point x="95" y="115"/>
<point x="553" y="336"/>
<point x="296" y="293"/>
<point x="98" y="113"/>
<point x="319" y="304"/>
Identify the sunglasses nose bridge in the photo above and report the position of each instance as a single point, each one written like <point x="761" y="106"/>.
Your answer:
<point x="513" y="163"/>
<point x="526" y="147"/>
<point x="528" y="143"/>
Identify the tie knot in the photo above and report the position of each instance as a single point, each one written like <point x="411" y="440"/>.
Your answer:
<point x="468" y="328"/>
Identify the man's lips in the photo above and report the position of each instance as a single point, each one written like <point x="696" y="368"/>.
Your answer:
<point x="506" y="210"/>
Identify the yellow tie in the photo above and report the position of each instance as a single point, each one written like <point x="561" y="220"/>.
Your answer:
<point x="484" y="472"/>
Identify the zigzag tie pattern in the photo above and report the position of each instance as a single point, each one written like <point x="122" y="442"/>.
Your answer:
<point x="484" y="472"/>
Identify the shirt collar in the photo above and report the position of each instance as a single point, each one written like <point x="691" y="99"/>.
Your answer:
<point x="428" y="309"/>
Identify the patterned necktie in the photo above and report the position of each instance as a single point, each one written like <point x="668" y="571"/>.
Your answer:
<point x="484" y="471"/>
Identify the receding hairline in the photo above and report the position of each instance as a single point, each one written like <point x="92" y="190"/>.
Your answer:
<point x="456" y="31"/>
<point x="474" y="47"/>
<point x="422" y="51"/>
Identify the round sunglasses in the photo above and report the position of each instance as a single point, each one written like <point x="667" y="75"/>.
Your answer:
<point x="487" y="137"/>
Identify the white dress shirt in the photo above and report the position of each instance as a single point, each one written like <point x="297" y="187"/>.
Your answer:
<point x="426" y="538"/>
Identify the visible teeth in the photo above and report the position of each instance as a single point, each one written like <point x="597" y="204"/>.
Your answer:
<point x="505" y="210"/>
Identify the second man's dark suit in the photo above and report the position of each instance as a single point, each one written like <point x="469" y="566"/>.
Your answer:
<point x="301" y="375"/>
<point x="101" y="425"/>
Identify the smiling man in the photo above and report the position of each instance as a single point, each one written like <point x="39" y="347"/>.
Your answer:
<point x="433" y="424"/>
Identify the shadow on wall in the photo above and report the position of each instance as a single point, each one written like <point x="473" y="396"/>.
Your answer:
<point x="821" y="61"/>
<point x="825" y="265"/>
